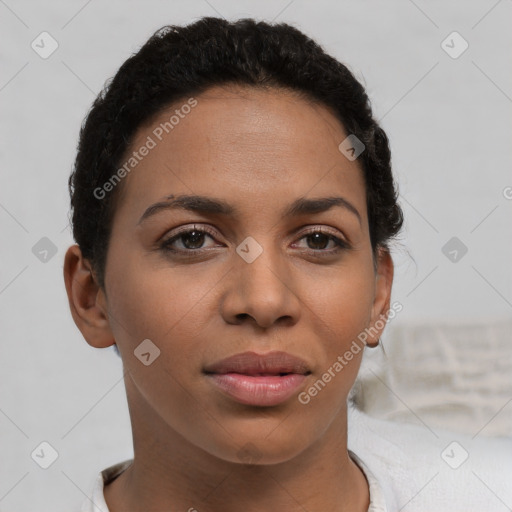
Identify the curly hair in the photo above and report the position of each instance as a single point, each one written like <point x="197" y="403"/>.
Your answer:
<point x="179" y="61"/>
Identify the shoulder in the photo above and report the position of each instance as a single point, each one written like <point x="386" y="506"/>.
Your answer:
<point x="419" y="468"/>
<point x="377" y="498"/>
<point x="394" y="454"/>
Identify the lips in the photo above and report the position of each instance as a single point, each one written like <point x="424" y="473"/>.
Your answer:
<point x="258" y="379"/>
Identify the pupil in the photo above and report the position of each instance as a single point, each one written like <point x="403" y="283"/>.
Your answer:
<point x="195" y="236"/>
<point x="316" y="236"/>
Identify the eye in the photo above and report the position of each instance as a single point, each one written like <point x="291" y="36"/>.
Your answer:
<point x="317" y="240"/>
<point x="192" y="240"/>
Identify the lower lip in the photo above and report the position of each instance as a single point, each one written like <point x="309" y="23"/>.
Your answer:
<point x="263" y="390"/>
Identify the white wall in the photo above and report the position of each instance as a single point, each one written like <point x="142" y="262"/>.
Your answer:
<point x="449" y="125"/>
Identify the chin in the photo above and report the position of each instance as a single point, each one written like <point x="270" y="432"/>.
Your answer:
<point x="260" y="450"/>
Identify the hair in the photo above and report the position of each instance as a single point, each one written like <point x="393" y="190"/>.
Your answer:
<point x="180" y="61"/>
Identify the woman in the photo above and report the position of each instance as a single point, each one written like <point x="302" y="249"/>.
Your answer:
<point x="232" y="205"/>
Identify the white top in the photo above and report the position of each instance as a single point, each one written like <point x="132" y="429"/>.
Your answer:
<point x="96" y="502"/>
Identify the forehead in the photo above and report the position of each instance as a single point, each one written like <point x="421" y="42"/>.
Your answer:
<point x="280" y="119"/>
<point x="242" y="143"/>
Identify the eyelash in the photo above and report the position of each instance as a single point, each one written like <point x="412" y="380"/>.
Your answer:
<point x="165" y="245"/>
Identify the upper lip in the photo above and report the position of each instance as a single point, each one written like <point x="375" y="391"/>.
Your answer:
<point x="252" y="363"/>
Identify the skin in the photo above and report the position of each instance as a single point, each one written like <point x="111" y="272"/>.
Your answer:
<point x="259" y="150"/>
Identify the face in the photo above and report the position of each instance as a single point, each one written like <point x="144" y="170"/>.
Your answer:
<point x="242" y="272"/>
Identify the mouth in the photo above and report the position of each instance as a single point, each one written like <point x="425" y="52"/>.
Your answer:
<point x="259" y="379"/>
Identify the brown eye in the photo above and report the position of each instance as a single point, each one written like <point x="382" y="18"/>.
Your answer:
<point x="318" y="241"/>
<point x="192" y="241"/>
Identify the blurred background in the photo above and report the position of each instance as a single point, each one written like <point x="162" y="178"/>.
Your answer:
<point x="438" y="75"/>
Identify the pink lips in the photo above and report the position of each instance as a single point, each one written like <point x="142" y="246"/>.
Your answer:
<point x="259" y="379"/>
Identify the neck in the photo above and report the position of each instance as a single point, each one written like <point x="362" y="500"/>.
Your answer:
<point x="170" y="473"/>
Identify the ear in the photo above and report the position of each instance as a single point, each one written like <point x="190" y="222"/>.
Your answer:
<point x="381" y="304"/>
<point x="87" y="300"/>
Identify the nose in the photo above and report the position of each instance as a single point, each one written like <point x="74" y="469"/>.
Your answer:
<point x="262" y="292"/>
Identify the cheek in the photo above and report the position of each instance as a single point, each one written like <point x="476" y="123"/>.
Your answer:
<point x="341" y="312"/>
<point x="163" y="304"/>
<point x="344" y="301"/>
<point x="170" y="308"/>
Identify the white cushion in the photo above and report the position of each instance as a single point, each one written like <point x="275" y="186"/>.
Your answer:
<point x="441" y="374"/>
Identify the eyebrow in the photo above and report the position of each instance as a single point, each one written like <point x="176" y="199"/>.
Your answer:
<point x="208" y="205"/>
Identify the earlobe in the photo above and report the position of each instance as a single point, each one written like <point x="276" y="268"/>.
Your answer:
<point x="86" y="300"/>
<point x="382" y="300"/>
